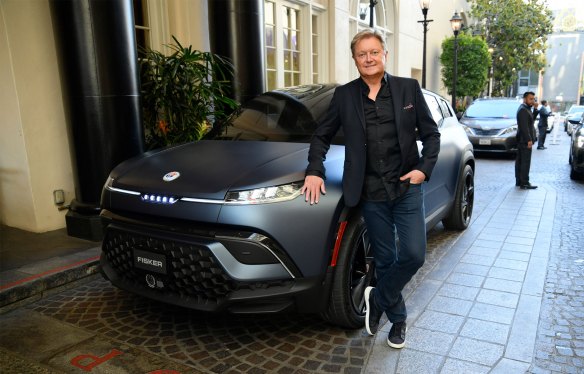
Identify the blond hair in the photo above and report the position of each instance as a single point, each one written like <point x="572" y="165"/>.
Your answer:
<point x="367" y="33"/>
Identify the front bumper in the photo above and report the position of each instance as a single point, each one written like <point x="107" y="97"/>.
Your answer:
<point x="493" y="143"/>
<point x="578" y="159"/>
<point x="237" y="271"/>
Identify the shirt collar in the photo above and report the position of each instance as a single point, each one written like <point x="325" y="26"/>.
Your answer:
<point x="365" y="87"/>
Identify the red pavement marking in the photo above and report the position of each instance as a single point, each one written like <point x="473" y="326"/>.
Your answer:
<point x="51" y="271"/>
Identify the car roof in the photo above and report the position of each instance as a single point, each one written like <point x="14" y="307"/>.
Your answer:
<point x="485" y="99"/>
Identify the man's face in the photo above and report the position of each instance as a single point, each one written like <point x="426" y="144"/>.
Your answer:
<point x="529" y="100"/>
<point x="370" y="57"/>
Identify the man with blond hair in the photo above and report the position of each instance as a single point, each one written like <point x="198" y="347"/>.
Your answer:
<point x="381" y="115"/>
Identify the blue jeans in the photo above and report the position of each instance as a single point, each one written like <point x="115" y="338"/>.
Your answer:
<point x="396" y="261"/>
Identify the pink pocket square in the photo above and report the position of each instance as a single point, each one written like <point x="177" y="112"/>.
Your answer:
<point x="409" y="106"/>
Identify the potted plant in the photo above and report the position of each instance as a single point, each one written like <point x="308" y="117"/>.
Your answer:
<point x="183" y="94"/>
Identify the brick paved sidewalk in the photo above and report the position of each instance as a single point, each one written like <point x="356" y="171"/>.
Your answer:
<point x="478" y="310"/>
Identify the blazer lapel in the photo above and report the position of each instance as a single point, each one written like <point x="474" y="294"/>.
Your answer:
<point x="396" y="98"/>
<point x="357" y="96"/>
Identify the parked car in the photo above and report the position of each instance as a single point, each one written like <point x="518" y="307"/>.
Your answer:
<point x="491" y="124"/>
<point x="573" y="118"/>
<point x="219" y="224"/>
<point x="576" y="158"/>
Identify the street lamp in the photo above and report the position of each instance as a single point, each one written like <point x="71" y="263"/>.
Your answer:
<point x="491" y="72"/>
<point x="425" y="5"/>
<point x="363" y="10"/>
<point x="455" y="23"/>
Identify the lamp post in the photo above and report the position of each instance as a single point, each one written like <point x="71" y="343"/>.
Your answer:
<point x="372" y="4"/>
<point x="491" y="71"/>
<point x="363" y="10"/>
<point x="455" y="23"/>
<point x="425" y="5"/>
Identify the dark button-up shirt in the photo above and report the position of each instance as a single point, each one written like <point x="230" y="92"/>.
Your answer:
<point x="383" y="151"/>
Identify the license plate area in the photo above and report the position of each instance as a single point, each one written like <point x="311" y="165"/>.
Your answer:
<point x="485" y="141"/>
<point x="150" y="261"/>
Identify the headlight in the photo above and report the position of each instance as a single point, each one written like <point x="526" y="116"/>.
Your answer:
<point x="509" y="130"/>
<point x="265" y="195"/>
<point x="580" y="141"/>
<point x="468" y="130"/>
<point x="109" y="185"/>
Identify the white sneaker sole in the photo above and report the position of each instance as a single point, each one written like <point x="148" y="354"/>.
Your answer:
<point x="367" y="309"/>
<point x="397" y="346"/>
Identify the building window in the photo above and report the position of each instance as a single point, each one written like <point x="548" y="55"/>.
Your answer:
<point x="293" y="32"/>
<point x="315" y="49"/>
<point x="270" y="27"/>
<point x="291" y="47"/>
<point x="141" y="25"/>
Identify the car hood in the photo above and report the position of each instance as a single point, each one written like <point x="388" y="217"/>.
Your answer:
<point x="574" y="118"/>
<point x="210" y="168"/>
<point x="488" y="123"/>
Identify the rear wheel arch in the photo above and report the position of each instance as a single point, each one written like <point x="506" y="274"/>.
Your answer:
<point x="461" y="212"/>
<point x="353" y="272"/>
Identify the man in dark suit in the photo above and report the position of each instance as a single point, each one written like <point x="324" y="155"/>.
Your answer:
<point x="542" y="125"/>
<point x="526" y="136"/>
<point x="383" y="172"/>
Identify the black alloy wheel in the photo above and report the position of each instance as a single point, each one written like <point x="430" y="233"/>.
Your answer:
<point x="355" y="270"/>
<point x="459" y="217"/>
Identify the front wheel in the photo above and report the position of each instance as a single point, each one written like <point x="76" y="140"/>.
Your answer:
<point x="461" y="213"/>
<point x="355" y="270"/>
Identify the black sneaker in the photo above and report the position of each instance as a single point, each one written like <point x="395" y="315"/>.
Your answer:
<point x="372" y="313"/>
<point x="397" y="335"/>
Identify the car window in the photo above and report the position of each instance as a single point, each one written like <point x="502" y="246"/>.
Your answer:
<point x="493" y="109"/>
<point x="434" y="108"/>
<point x="445" y="108"/>
<point x="274" y="118"/>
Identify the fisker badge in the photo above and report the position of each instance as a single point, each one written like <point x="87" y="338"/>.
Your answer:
<point x="169" y="177"/>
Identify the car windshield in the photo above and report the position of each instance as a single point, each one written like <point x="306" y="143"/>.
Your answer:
<point x="493" y="109"/>
<point x="273" y="117"/>
<point x="576" y="109"/>
<point x="576" y="114"/>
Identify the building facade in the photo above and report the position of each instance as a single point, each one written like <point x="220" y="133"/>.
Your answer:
<point x="306" y="41"/>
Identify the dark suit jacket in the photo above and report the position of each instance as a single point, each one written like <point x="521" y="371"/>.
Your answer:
<point x="346" y="111"/>
<point x="525" y="127"/>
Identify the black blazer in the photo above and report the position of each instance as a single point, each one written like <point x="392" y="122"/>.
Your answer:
<point x="346" y="111"/>
<point x="525" y="128"/>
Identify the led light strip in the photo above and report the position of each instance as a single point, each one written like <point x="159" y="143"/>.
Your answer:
<point x="123" y="191"/>
<point x="159" y="199"/>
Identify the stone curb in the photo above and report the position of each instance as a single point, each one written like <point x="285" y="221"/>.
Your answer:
<point x="30" y="289"/>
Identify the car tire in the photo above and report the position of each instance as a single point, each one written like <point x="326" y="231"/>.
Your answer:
<point x="354" y="271"/>
<point x="461" y="213"/>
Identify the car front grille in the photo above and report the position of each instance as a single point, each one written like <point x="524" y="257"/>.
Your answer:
<point x="192" y="270"/>
<point x="193" y="273"/>
<point x="491" y="132"/>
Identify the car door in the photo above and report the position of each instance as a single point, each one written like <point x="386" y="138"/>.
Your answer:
<point x="440" y="189"/>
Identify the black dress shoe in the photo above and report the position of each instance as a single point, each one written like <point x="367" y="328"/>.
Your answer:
<point x="541" y="147"/>
<point x="528" y="187"/>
